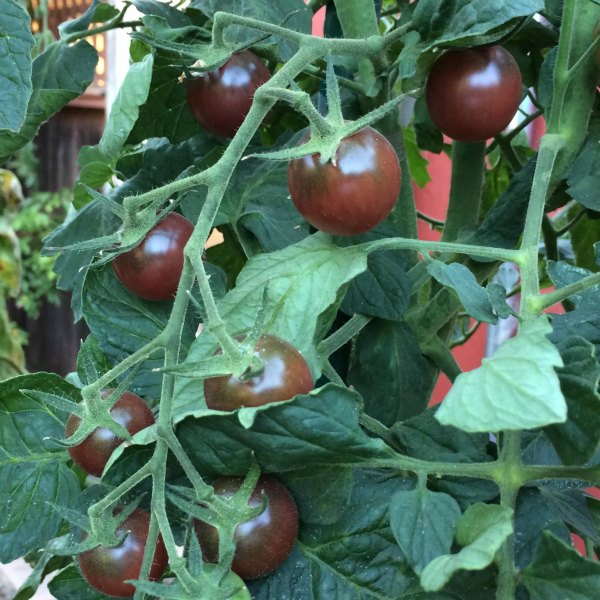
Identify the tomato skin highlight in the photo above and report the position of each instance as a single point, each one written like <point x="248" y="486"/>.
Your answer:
<point x="353" y="195"/>
<point x="221" y="99"/>
<point x="93" y="453"/>
<point x="472" y="94"/>
<point x="285" y="374"/>
<point x="152" y="269"/>
<point x="107" y="569"/>
<point x="263" y="543"/>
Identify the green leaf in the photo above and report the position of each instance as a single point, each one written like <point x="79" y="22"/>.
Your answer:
<point x="534" y="515"/>
<point x="122" y="323"/>
<point x="257" y="200"/>
<point x="424" y="437"/>
<point x="473" y="297"/>
<point x="384" y="289"/>
<point x="32" y="467"/>
<point x="284" y="437"/>
<point x="584" y="234"/>
<point x="423" y="523"/>
<point x="97" y="162"/>
<point x="559" y="571"/>
<point x="385" y="347"/>
<point x="417" y="163"/>
<point x="166" y="113"/>
<point x="334" y="484"/>
<point x="16" y="43"/>
<point x="576" y="440"/>
<point x="481" y="530"/>
<point x="293" y="14"/>
<point x="582" y="178"/>
<point x="91" y="361"/>
<point x="563" y="274"/>
<point x="70" y="585"/>
<point x="515" y="389"/>
<point x="354" y="559"/>
<point x="297" y="285"/>
<point x="60" y="74"/>
<point x="457" y="23"/>
<point x="97" y="12"/>
<point x="174" y="17"/>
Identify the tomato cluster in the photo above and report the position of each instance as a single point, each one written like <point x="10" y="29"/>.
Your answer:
<point x="284" y="374"/>
<point x="473" y="93"/>
<point x="153" y="268"/>
<point x="107" y="569"/>
<point x="262" y="543"/>
<point x="93" y="453"/>
<point x="221" y="99"/>
<point x="351" y="194"/>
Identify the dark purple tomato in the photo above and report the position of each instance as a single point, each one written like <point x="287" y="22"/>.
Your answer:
<point x="354" y="194"/>
<point x="107" y="569"/>
<point x="263" y="543"/>
<point x="153" y="268"/>
<point x="221" y="99"/>
<point x="472" y="94"/>
<point x="93" y="453"/>
<point x="284" y="375"/>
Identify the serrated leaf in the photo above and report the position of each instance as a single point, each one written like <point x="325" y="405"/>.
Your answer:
<point x="334" y="485"/>
<point x="426" y="438"/>
<point x="32" y="467"/>
<point x="69" y="584"/>
<point x="286" y="436"/>
<point x="385" y="347"/>
<point x="97" y="12"/>
<point x="297" y="285"/>
<point x="292" y="14"/>
<point x="454" y="23"/>
<point x="60" y="74"/>
<point x="563" y="274"/>
<point x="473" y="297"/>
<point x="354" y="559"/>
<point x="482" y="531"/>
<point x="515" y="389"/>
<point x="423" y="523"/>
<point x="16" y="43"/>
<point x="100" y="160"/>
<point x="122" y="323"/>
<point x="534" y="515"/>
<point x="577" y="439"/>
<point x="559" y="571"/>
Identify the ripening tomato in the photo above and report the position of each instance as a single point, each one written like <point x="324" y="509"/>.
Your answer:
<point x="263" y="543"/>
<point x="472" y="94"/>
<point x="284" y="375"/>
<point x="152" y="269"/>
<point x="107" y="569"/>
<point x="221" y="99"/>
<point x="352" y="194"/>
<point x="93" y="453"/>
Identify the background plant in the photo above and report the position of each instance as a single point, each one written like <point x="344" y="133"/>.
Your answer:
<point x="395" y="499"/>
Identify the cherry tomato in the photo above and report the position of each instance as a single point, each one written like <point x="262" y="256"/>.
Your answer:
<point x="93" y="453"/>
<point x="153" y="268"/>
<point x="352" y="194"/>
<point x="107" y="569"/>
<point x="263" y="543"/>
<point x="284" y="375"/>
<point x="221" y="99"/>
<point x="472" y="94"/>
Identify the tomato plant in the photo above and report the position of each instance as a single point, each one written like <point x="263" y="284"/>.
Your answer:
<point x="283" y="375"/>
<point x="153" y="268"/>
<point x="353" y="192"/>
<point x="93" y="453"/>
<point x="107" y="569"/>
<point x="473" y="93"/>
<point x="262" y="543"/>
<point x="364" y="273"/>
<point x="221" y="99"/>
